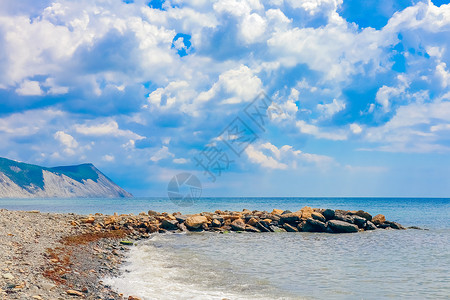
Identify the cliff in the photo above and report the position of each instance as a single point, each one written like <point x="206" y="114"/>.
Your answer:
<point x="21" y="180"/>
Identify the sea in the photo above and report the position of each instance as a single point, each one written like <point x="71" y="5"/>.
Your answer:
<point x="380" y="264"/>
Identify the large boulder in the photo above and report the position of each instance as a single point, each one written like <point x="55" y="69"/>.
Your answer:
<point x="277" y="212"/>
<point x="195" y="222"/>
<point x="359" y="221"/>
<point x="312" y="225"/>
<point x="378" y="219"/>
<point x="318" y="216"/>
<point x="364" y="215"/>
<point x="338" y="226"/>
<point x="169" y="224"/>
<point x="395" y="225"/>
<point x="238" y="225"/>
<point x="328" y="214"/>
<point x="370" y="226"/>
<point x="306" y="212"/>
<point x="252" y="221"/>
<point x="251" y="228"/>
<point x="289" y="228"/>
<point x="292" y="217"/>
<point x="261" y="225"/>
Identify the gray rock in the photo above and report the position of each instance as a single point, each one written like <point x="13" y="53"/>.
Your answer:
<point x="8" y="276"/>
<point x="169" y="224"/>
<point x="181" y="218"/>
<point x="364" y="215"/>
<point x="289" y="228"/>
<point x="318" y="216"/>
<point x="338" y="226"/>
<point x="251" y="228"/>
<point x="370" y="226"/>
<point x="328" y="214"/>
<point x="359" y="221"/>
<point x="261" y="227"/>
<point x="290" y="218"/>
<point x="395" y="225"/>
<point x="312" y="225"/>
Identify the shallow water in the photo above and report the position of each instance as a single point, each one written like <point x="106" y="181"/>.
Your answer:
<point x="382" y="264"/>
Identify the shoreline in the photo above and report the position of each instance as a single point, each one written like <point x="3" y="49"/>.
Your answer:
<point x="66" y="255"/>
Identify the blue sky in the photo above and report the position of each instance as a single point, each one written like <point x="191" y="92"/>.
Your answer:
<point x="361" y="91"/>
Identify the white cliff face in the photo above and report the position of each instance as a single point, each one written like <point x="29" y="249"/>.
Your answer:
<point x="60" y="185"/>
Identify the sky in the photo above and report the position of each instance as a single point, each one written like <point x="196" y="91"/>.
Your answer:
<point x="255" y="98"/>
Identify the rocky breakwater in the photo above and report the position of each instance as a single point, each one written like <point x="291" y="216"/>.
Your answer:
<point x="306" y="219"/>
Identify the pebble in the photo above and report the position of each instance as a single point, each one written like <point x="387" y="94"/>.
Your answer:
<point x="8" y="276"/>
<point x="74" y="293"/>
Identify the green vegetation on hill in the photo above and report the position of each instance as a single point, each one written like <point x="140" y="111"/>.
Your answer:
<point x="24" y="175"/>
<point x="78" y="173"/>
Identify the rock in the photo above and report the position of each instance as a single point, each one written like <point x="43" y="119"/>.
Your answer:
<point x="318" y="216"/>
<point x="395" y="225"/>
<point x="343" y="216"/>
<point x="306" y="212"/>
<point x="37" y="297"/>
<point x="378" y="219"/>
<point x="313" y="225"/>
<point x="290" y="217"/>
<point x="48" y="286"/>
<point x="328" y="214"/>
<point x="74" y="293"/>
<point x="169" y="224"/>
<point x="300" y="225"/>
<point x="88" y="220"/>
<point x="126" y="243"/>
<point x="338" y="226"/>
<point x="359" y="221"/>
<point x="261" y="226"/>
<point x="110" y="220"/>
<point x="182" y="227"/>
<point x="195" y="222"/>
<point x="251" y="228"/>
<point x="286" y="212"/>
<point x="277" y="212"/>
<point x="216" y="223"/>
<point x="8" y="276"/>
<point x="238" y="225"/>
<point x="364" y="215"/>
<point x="252" y="221"/>
<point x="289" y="228"/>
<point x="385" y="225"/>
<point x="181" y="218"/>
<point x="370" y="226"/>
<point x="152" y="213"/>
<point x="133" y="298"/>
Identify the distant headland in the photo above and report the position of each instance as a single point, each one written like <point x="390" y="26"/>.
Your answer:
<point x="22" y="180"/>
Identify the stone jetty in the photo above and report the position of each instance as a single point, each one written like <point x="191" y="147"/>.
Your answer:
<point x="306" y="219"/>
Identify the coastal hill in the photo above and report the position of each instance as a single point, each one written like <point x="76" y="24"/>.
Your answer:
<point x="21" y="180"/>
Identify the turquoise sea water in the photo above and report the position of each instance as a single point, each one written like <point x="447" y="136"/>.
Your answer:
<point x="382" y="264"/>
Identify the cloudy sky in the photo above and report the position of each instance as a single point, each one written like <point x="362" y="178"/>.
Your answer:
<point x="358" y="93"/>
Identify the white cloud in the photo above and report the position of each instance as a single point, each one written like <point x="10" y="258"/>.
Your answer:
<point x="161" y="154"/>
<point x="269" y="156"/>
<point x="355" y="128"/>
<point x="29" y="88"/>
<point x="108" y="158"/>
<point x="180" y="161"/>
<point x="337" y="135"/>
<point x="328" y="110"/>
<point x="66" y="139"/>
<point x="252" y="28"/>
<point x="110" y="128"/>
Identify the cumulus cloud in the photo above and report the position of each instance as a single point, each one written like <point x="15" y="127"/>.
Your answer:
<point x="110" y="128"/>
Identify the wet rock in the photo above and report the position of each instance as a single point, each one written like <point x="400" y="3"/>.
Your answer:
<point x="169" y="224"/>
<point x="328" y="214"/>
<point x="313" y="225"/>
<point x="238" y="225"/>
<point x="318" y="216"/>
<point x="251" y="228"/>
<point x="359" y="221"/>
<point x="378" y="219"/>
<point x="262" y="226"/>
<point x="289" y="228"/>
<point x="370" y="226"/>
<point x="395" y="225"/>
<point x="338" y="226"/>
<point x="195" y="222"/>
